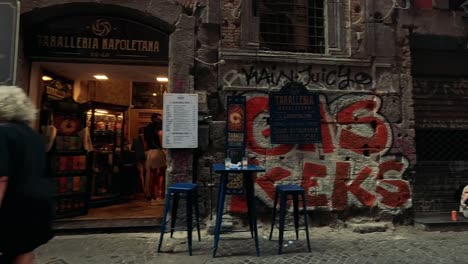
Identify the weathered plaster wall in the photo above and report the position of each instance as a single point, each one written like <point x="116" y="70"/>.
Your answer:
<point x="368" y="139"/>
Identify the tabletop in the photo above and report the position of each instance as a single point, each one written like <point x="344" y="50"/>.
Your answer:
<point x="218" y="167"/>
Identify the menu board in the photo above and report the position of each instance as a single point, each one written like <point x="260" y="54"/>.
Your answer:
<point x="295" y="115"/>
<point x="180" y="125"/>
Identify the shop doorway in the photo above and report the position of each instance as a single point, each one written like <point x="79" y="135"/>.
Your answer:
<point x="98" y="73"/>
<point x="101" y="178"/>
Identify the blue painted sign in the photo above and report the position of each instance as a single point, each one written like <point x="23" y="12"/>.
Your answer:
<point x="236" y="120"/>
<point x="235" y="139"/>
<point x="295" y="115"/>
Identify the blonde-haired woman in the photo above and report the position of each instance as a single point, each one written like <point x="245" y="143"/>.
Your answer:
<point x="25" y="190"/>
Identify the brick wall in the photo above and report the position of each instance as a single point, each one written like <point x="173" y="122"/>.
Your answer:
<point x="230" y="30"/>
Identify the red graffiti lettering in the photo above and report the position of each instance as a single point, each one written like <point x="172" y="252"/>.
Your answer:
<point x="339" y="198"/>
<point x="255" y="107"/>
<point x="327" y="129"/>
<point x="355" y="125"/>
<point x="391" y="165"/>
<point x="394" y="199"/>
<point x="267" y="181"/>
<point x="374" y="143"/>
<point x="312" y="171"/>
<point x="362" y="194"/>
<point x="342" y="187"/>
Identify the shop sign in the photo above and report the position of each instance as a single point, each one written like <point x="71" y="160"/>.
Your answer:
<point x="236" y="139"/>
<point x="100" y="38"/>
<point x="58" y="90"/>
<point x="294" y="115"/>
<point x="9" y="21"/>
<point x="236" y="122"/>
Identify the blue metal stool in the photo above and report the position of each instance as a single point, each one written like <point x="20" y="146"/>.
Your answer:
<point x="282" y="192"/>
<point x="189" y="191"/>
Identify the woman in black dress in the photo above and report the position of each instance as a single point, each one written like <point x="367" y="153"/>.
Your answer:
<point x="25" y="190"/>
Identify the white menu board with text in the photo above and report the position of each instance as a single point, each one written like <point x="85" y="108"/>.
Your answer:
<point x="180" y="115"/>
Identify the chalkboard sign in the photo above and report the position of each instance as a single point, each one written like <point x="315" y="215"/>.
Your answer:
<point x="294" y="115"/>
<point x="97" y="37"/>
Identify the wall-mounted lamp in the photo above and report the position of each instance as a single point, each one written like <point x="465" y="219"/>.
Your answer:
<point x="46" y="78"/>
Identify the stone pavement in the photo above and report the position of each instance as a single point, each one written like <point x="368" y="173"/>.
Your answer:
<point x="402" y="245"/>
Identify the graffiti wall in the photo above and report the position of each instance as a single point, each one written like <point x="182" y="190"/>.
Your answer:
<point x="329" y="77"/>
<point x="356" y="165"/>
<point x="325" y="77"/>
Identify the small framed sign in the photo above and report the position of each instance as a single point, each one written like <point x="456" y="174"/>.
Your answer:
<point x="295" y="115"/>
<point x="180" y="126"/>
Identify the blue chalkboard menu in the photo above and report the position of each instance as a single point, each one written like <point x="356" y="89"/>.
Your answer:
<point x="294" y="115"/>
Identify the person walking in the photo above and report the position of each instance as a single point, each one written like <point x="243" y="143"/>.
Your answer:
<point x="155" y="160"/>
<point x="25" y="190"/>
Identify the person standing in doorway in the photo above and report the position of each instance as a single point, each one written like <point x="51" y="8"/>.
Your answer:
<point x="155" y="160"/>
<point x="26" y="208"/>
<point x="138" y="147"/>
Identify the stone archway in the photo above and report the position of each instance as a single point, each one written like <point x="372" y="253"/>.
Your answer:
<point x="164" y="10"/>
<point x="165" y="15"/>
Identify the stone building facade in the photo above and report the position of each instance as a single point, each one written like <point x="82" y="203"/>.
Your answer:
<point x="362" y="72"/>
<point x="356" y="54"/>
<point x="435" y="37"/>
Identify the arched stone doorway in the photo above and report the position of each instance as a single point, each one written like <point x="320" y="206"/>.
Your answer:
<point x="162" y="16"/>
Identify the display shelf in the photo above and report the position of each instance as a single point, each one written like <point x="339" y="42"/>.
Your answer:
<point x="70" y="152"/>
<point x="67" y="159"/>
<point x="106" y="123"/>
<point x="70" y="173"/>
<point x="70" y="194"/>
<point x="70" y="204"/>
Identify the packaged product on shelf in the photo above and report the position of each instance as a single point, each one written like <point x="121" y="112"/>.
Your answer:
<point x="79" y="162"/>
<point x="63" y="185"/>
<point x="76" y="183"/>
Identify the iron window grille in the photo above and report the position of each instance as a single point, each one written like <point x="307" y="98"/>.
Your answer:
<point x="442" y="145"/>
<point x="291" y="25"/>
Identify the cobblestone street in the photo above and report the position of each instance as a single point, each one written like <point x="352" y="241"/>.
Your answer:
<point x="404" y="245"/>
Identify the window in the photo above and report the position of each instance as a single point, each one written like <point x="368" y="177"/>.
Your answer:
<point x="291" y="25"/>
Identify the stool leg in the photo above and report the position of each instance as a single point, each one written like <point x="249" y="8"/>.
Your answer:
<point x="249" y="216"/>
<point x="189" y="223"/>
<point x="305" y="220"/>
<point x="197" y="213"/>
<point x="175" y="206"/>
<point x="281" y="220"/>
<point x="274" y="214"/>
<point x="251" y="203"/>
<point x="249" y="212"/>
<point x="296" y="214"/>
<point x="220" y="211"/>
<point x="163" y="227"/>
